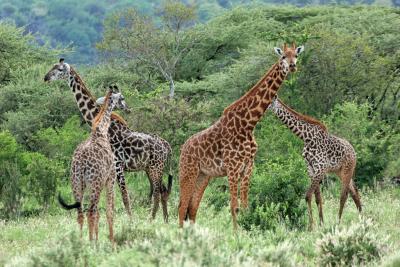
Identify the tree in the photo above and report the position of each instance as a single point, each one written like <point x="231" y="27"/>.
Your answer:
<point x="132" y="36"/>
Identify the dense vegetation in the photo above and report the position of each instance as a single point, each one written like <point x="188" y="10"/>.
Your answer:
<point x="348" y="77"/>
<point x="79" y="24"/>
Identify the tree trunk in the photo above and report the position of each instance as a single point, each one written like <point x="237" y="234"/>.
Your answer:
<point x="171" y="88"/>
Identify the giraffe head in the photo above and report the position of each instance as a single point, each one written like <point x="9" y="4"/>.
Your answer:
<point x="60" y="71"/>
<point x="288" y="56"/>
<point x="115" y="97"/>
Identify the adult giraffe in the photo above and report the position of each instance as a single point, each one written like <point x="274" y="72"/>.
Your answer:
<point x="228" y="147"/>
<point x="133" y="151"/>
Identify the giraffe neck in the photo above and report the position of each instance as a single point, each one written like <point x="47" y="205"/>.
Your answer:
<point x="85" y="101"/>
<point x="254" y="103"/>
<point x="104" y="121"/>
<point x="298" y="126"/>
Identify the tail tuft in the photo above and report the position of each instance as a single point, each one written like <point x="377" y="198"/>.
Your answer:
<point x="66" y="206"/>
<point x="170" y="178"/>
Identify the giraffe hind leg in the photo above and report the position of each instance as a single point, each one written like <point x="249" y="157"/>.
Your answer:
<point x="345" y="176"/>
<point x="164" y="202"/>
<point x="355" y="195"/>
<point x="187" y="179"/>
<point x="318" y="200"/>
<point x="201" y="184"/>
<point x="123" y="188"/>
<point x="314" y="185"/>
<point x="93" y="210"/>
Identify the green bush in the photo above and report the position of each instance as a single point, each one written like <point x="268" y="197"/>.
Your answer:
<point x="67" y="251"/>
<point x="27" y="179"/>
<point x="41" y="178"/>
<point x="276" y="195"/>
<point x="356" y="245"/>
<point x="371" y="138"/>
<point x="11" y="182"/>
<point x="60" y="143"/>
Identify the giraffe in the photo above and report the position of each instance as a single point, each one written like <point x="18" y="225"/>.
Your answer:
<point x="93" y="167"/>
<point x="324" y="153"/>
<point x="228" y="147"/>
<point x="133" y="151"/>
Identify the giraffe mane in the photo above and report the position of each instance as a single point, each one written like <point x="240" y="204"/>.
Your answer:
<point x="100" y="115"/>
<point x="83" y="88"/>
<point x="114" y="116"/>
<point x="251" y="92"/>
<point x="117" y="117"/>
<point x="303" y="117"/>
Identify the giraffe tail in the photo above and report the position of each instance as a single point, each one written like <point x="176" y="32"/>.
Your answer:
<point x="66" y="206"/>
<point x="170" y="178"/>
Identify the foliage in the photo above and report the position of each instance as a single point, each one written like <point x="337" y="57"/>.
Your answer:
<point x="10" y="175"/>
<point x="16" y="51"/>
<point x="370" y="137"/>
<point x="277" y="195"/>
<point x="132" y="36"/>
<point x="60" y="143"/>
<point x="41" y="178"/>
<point x="68" y="251"/>
<point x="358" y="244"/>
<point x="25" y="177"/>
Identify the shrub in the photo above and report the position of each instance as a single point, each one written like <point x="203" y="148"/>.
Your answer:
<point x="41" y="177"/>
<point x="129" y="234"/>
<point x="357" y="244"/>
<point x="67" y="251"/>
<point x="10" y="175"/>
<point x="24" y="177"/>
<point x="276" y="194"/>
<point x="280" y="255"/>
<point x="370" y="137"/>
<point x="60" y="143"/>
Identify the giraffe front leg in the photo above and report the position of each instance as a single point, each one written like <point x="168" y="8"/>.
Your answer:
<point x="122" y="186"/>
<point x="244" y="184"/>
<point x="233" y="177"/>
<point x="110" y="207"/>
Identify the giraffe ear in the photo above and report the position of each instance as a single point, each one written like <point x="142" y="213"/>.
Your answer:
<point x="278" y="51"/>
<point x="115" y="89"/>
<point x="100" y="101"/>
<point x="299" y="49"/>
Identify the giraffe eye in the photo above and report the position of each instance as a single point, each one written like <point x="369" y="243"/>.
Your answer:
<point x="283" y="57"/>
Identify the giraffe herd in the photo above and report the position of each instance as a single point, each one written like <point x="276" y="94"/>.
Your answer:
<point x="226" y="148"/>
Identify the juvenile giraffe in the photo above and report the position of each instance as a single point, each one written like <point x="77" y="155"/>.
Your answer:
<point x="228" y="146"/>
<point x="93" y="167"/>
<point x="324" y="153"/>
<point x="133" y="151"/>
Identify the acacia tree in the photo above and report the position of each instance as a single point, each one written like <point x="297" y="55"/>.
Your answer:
<point x="130" y="35"/>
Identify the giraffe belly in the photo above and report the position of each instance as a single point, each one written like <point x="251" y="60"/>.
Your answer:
<point x="213" y="168"/>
